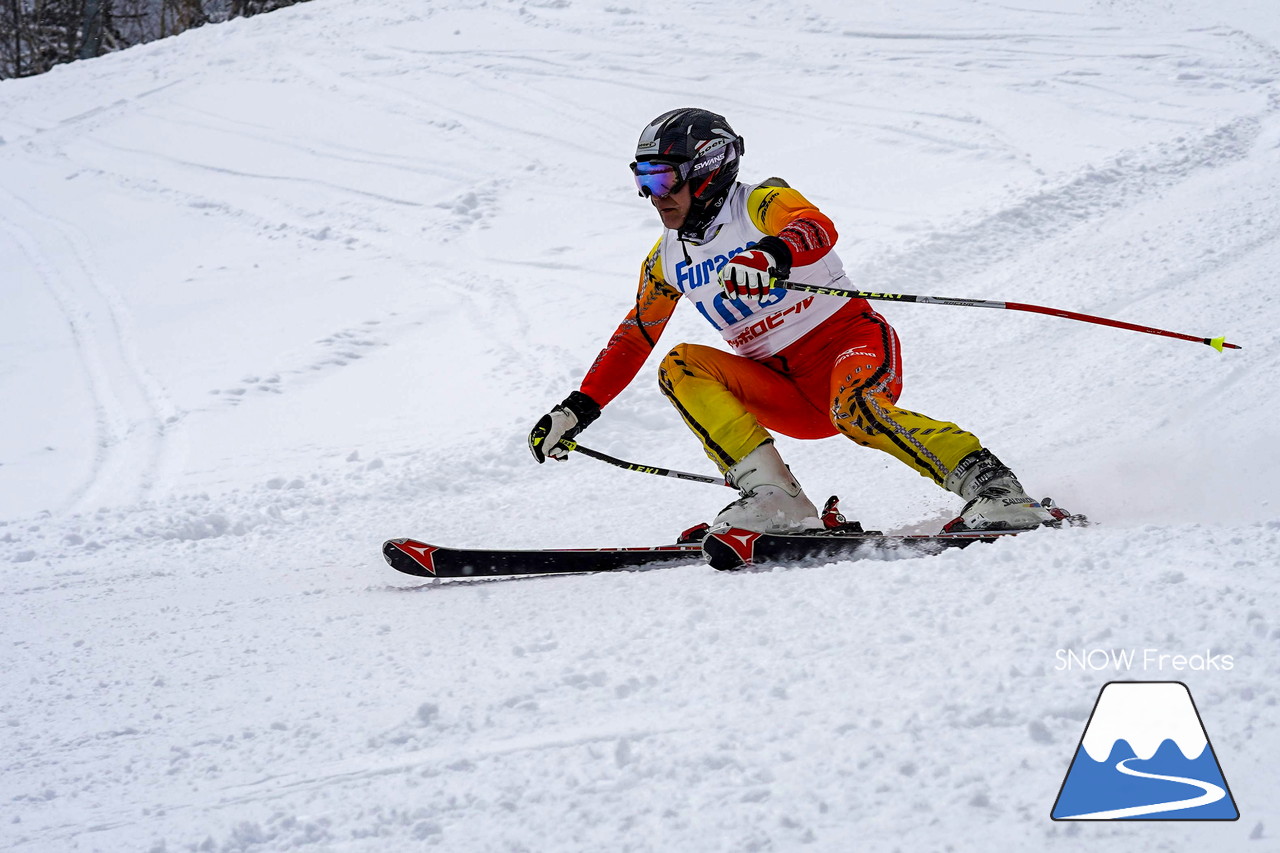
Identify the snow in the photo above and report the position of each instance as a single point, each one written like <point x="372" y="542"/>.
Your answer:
<point x="277" y="290"/>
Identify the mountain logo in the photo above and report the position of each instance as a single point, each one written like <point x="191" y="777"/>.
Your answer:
<point x="1145" y="755"/>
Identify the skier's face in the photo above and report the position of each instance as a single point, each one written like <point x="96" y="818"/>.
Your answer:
<point x="673" y="208"/>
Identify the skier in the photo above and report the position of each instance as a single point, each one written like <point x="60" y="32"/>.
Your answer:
<point x="807" y="366"/>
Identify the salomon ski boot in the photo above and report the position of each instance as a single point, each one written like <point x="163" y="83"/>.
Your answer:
<point x="995" y="498"/>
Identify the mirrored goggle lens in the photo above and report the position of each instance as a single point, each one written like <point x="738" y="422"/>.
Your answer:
<point x="658" y="179"/>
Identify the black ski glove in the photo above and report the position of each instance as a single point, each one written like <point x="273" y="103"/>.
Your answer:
<point x="564" y="422"/>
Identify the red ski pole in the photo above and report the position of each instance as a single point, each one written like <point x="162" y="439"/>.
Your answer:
<point x="1216" y="343"/>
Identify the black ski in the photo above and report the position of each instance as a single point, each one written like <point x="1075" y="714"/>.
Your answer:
<point x="734" y="549"/>
<point x="728" y="550"/>
<point x="433" y="561"/>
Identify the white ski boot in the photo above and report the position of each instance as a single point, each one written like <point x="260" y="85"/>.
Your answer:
<point x="772" y="501"/>
<point x="996" y="500"/>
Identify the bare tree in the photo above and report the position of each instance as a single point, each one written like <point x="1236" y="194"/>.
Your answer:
<point x="95" y="13"/>
<point x="11" y="50"/>
<point x="178" y="16"/>
<point x="36" y="35"/>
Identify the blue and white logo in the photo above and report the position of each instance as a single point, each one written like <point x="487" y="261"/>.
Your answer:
<point x="1145" y="755"/>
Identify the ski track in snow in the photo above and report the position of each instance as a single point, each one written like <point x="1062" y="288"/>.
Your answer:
<point x="132" y="409"/>
<point x="1133" y="177"/>
<point x="307" y="280"/>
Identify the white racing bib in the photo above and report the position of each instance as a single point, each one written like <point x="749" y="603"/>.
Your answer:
<point x="753" y="330"/>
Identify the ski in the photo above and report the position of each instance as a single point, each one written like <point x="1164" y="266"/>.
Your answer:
<point x="846" y="540"/>
<point x="726" y="550"/>
<point x="736" y="549"/>
<point x="434" y="561"/>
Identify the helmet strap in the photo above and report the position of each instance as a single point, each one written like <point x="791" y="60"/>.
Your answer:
<point x="701" y="213"/>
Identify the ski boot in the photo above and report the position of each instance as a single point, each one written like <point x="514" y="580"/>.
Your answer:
<point x="995" y="498"/>
<point x="772" y="501"/>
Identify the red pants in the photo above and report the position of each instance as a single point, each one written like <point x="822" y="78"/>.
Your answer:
<point x="845" y="376"/>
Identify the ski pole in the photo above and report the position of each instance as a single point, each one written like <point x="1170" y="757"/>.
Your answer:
<point x="1216" y="343"/>
<point x="643" y="469"/>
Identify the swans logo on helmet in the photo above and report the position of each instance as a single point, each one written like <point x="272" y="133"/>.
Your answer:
<point x="714" y="163"/>
<point x="708" y="161"/>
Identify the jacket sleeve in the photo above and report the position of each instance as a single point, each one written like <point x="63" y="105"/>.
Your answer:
<point x="625" y="353"/>
<point x="784" y="214"/>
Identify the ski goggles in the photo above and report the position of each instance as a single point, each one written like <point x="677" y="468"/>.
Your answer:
<point x="660" y="179"/>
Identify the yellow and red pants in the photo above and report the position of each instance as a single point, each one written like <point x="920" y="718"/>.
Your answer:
<point x="844" y="376"/>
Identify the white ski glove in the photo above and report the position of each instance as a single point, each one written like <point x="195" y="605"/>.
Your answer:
<point x="564" y="422"/>
<point x="749" y="275"/>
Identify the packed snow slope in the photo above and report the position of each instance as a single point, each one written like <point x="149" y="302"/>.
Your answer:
<point x="274" y="291"/>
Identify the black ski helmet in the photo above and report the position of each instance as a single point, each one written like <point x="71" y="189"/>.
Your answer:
<point x="705" y="151"/>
